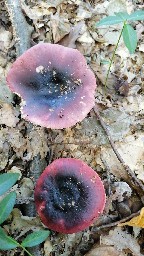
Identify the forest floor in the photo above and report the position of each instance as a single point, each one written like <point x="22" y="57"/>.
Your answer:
<point x="28" y="149"/>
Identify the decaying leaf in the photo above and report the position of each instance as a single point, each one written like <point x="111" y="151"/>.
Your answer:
<point x="4" y="151"/>
<point x="136" y="221"/>
<point x="122" y="191"/>
<point x="26" y="189"/>
<point x="122" y="87"/>
<point x="104" y="251"/>
<point x="116" y="6"/>
<point x="70" y="39"/>
<point x="60" y="27"/>
<point x="5" y="38"/>
<point x="47" y="247"/>
<point x="5" y="94"/>
<point x="101" y="72"/>
<point x="72" y="24"/>
<point x="84" y="11"/>
<point x="121" y="241"/>
<point x="9" y="115"/>
<point x="36" y="143"/>
<point x="38" y="11"/>
<point x="21" y="224"/>
<point x="132" y="152"/>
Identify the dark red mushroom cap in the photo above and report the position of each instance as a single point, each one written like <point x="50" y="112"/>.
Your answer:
<point x="69" y="195"/>
<point x="55" y="83"/>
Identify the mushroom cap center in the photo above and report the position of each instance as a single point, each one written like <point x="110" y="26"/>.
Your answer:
<point x="64" y="196"/>
<point x="53" y="86"/>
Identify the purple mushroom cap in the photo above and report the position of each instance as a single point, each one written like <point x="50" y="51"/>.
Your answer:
<point x="56" y="86"/>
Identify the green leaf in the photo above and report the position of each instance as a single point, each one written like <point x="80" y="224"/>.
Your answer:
<point x="123" y="15"/>
<point x="7" y="180"/>
<point x="35" y="238"/>
<point x="7" y="242"/>
<point x="6" y="206"/>
<point x="137" y="15"/>
<point x="110" y="20"/>
<point x="130" y="38"/>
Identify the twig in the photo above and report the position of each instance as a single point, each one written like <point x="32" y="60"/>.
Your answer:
<point x="113" y="224"/>
<point x="108" y="175"/>
<point x="21" y="30"/>
<point x="127" y="168"/>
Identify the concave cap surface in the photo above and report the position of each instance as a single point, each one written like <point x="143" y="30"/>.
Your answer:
<point x="56" y="86"/>
<point x="69" y="195"/>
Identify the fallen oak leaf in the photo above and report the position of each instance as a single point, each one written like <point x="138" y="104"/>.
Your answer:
<point x="136" y="221"/>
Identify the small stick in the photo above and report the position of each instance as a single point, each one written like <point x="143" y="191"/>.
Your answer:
<point x="127" y="168"/>
<point x="113" y="224"/>
<point x="21" y="30"/>
<point x="108" y="175"/>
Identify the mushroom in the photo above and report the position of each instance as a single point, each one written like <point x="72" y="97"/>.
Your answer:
<point x="69" y="196"/>
<point x="56" y="86"/>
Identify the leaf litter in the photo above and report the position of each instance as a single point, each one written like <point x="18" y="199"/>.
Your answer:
<point x="72" y="24"/>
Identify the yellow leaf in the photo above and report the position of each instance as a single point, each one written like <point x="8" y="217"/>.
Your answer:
<point x="136" y="221"/>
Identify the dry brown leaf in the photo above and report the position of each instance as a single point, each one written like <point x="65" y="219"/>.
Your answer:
<point x="5" y="38"/>
<point x="104" y="251"/>
<point x="121" y="240"/>
<point x="9" y="115"/>
<point x="38" y="11"/>
<point x="141" y="47"/>
<point x="84" y="12"/>
<point x="101" y="72"/>
<point x="47" y="247"/>
<point x="22" y="224"/>
<point x="132" y="152"/>
<point x="116" y="6"/>
<point x="60" y="27"/>
<point x="86" y="38"/>
<point x="5" y="93"/>
<point x="136" y="221"/>
<point x="36" y="143"/>
<point x="70" y="39"/>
